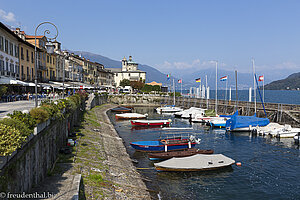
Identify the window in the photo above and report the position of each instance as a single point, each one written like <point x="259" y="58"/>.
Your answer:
<point x="27" y="55"/>
<point x="27" y="71"/>
<point x="1" y="43"/>
<point x="50" y="60"/>
<point x="32" y="72"/>
<point x="6" y="46"/>
<point x="16" y="51"/>
<point x="47" y="59"/>
<point x="22" y="70"/>
<point x="1" y="65"/>
<point x="6" y="67"/>
<point x="22" y="55"/>
<point x="32" y="58"/>
<point x="11" y="49"/>
<point x="12" y="67"/>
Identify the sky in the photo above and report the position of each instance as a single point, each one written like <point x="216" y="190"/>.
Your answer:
<point x="171" y="35"/>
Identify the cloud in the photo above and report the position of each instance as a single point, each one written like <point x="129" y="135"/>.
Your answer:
<point x="8" y="17"/>
<point x="182" y="66"/>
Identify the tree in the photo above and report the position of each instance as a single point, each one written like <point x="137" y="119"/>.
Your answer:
<point x="137" y="85"/>
<point x="125" y="82"/>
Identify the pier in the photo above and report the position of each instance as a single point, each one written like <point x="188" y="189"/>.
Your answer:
<point x="280" y="113"/>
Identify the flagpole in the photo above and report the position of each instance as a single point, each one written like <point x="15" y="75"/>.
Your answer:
<point x="206" y="91"/>
<point x="263" y="88"/>
<point x="226" y="89"/>
<point x="181" y="86"/>
<point x="216" y="108"/>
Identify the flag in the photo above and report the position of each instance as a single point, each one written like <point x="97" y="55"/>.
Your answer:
<point x="198" y="80"/>
<point x="180" y="81"/>
<point x="168" y="76"/>
<point x="261" y="78"/>
<point x="224" y="78"/>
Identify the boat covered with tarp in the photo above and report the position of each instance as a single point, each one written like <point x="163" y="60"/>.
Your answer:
<point x="198" y="162"/>
<point x="245" y="123"/>
<point x="183" y="153"/>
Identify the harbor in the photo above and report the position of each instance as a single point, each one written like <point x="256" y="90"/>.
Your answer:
<point x="267" y="168"/>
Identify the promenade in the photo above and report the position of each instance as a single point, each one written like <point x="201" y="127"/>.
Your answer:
<point x="9" y="107"/>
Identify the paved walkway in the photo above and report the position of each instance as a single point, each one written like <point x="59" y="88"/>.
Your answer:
<point x="9" y="107"/>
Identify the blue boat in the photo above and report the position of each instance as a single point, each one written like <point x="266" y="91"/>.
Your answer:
<point x="163" y="145"/>
<point x="245" y="123"/>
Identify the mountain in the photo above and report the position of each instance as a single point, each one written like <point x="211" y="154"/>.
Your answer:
<point x="245" y="80"/>
<point x="292" y="82"/>
<point x="152" y="73"/>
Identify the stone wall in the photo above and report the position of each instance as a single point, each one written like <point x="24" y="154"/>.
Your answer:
<point x="29" y="165"/>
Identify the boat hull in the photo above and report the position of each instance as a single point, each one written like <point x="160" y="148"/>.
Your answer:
<point x="134" y="123"/>
<point x="184" y="153"/>
<point x="162" y="147"/>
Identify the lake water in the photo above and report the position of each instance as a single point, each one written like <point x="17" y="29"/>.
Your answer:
<point x="270" y="167"/>
<point x="271" y="96"/>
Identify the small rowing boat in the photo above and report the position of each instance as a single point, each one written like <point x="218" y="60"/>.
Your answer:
<point x="168" y="144"/>
<point x="198" y="162"/>
<point x="151" y="122"/>
<point x="183" y="153"/>
<point x="120" y="109"/>
<point x="131" y="116"/>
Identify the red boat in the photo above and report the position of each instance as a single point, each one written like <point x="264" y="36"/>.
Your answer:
<point x="184" y="153"/>
<point x="150" y="122"/>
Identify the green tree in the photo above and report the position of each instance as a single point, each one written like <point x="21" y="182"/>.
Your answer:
<point x="125" y="82"/>
<point x="3" y="90"/>
<point x="137" y="84"/>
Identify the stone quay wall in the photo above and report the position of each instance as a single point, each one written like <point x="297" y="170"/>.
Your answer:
<point x="28" y="166"/>
<point x="281" y="113"/>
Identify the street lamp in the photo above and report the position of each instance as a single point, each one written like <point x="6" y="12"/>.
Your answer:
<point x="50" y="49"/>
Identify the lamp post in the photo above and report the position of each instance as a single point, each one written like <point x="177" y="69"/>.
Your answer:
<point x="50" y="49"/>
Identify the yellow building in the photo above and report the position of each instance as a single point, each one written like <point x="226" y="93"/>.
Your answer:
<point x="51" y="67"/>
<point x="41" y="55"/>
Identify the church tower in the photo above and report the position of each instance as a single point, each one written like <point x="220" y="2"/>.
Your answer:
<point x="124" y="64"/>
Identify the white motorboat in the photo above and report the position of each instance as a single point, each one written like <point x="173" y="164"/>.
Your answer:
<point x="266" y="130"/>
<point x="193" y="112"/>
<point x="180" y="113"/>
<point x="198" y="162"/>
<point x="168" y="109"/>
<point x="286" y="132"/>
<point x="131" y="116"/>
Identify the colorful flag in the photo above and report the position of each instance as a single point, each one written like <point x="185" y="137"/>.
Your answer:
<point x="261" y="78"/>
<point x="180" y="81"/>
<point x="198" y="80"/>
<point x="168" y="76"/>
<point x="224" y="78"/>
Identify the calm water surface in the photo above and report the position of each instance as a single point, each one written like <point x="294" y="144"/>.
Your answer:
<point x="270" y="167"/>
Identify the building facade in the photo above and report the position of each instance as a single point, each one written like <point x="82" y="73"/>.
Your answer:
<point x="9" y="55"/>
<point x="128" y="71"/>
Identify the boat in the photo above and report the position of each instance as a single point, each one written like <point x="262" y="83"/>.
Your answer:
<point x="245" y="123"/>
<point x="219" y="122"/>
<point x="286" y="132"/>
<point x="193" y="112"/>
<point x="131" y="116"/>
<point x="208" y="115"/>
<point x="198" y="162"/>
<point x="168" y="109"/>
<point x="121" y="109"/>
<point x="168" y="144"/>
<point x="266" y="130"/>
<point x="155" y="122"/>
<point x="183" y="153"/>
<point x="177" y="128"/>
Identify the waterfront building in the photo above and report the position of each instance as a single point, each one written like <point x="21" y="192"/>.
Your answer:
<point x="26" y="58"/>
<point x="9" y="55"/>
<point x="60" y="61"/>
<point x="73" y="69"/>
<point x="42" y="70"/>
<point x="51" y="67"/>
<point x="129" y="70"/>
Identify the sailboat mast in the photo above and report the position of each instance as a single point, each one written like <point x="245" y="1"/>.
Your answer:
<point x="254" y="83"/>
<point x="206" y="91"/>
<point x="216" y="108"/>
